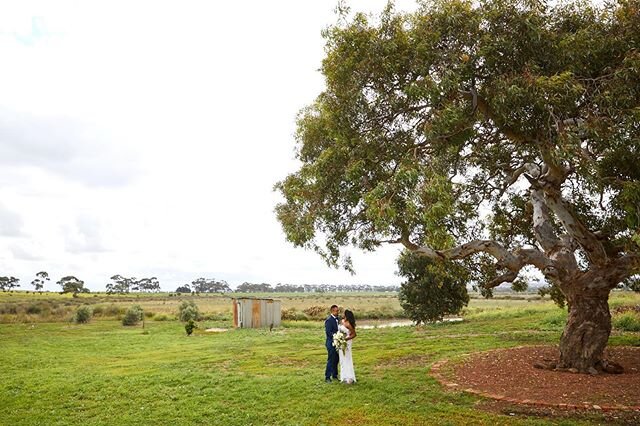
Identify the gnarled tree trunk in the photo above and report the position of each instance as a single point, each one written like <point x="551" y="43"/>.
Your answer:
<point x="587" y="331"/>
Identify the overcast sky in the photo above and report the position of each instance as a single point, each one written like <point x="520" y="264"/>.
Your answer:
<point x="143" y="138"/>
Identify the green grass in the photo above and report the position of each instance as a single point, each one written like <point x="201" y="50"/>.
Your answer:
<point x="33" y="307"/>
<point x="104" y="373"/>
<point x="21" y="306"/>
<point x="627" y="321"/>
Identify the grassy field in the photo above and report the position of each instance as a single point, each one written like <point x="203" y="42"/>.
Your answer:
<point x="58" y="373"/>
<point x="48" y="307"/>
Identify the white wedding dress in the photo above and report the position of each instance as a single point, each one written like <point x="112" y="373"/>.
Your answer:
<point x="347" y="373"/>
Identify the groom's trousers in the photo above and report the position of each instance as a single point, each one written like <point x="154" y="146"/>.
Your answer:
<point x="332" y="362"/>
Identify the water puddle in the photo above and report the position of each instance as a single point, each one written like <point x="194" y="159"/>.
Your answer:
<point x="392" y="324"/>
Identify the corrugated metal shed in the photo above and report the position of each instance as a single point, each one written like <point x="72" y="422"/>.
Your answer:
<point x="255" y="313"/>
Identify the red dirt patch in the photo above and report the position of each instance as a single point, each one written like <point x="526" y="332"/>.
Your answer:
<point x="509" y="375"/>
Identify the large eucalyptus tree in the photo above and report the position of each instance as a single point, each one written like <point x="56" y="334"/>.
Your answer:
<point x="527" y="112"/>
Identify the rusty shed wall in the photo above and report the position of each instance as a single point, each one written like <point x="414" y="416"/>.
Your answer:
<point x="255" y="313"/>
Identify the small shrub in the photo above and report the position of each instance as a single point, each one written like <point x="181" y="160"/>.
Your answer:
<point x="627" y="321"/>
<point x="9" y="308"/>
<point x="34" y="309"/>
<point x="162" y="317"/>
<point x="98" y="310"/>
<point x="287" y="314"/>
<point x="133" y="315"/>
<point x="316" y="312"/>
<point x="149" y="314"/>
<point x="217" y="316"/>
<point x="293" y="314"/>
<point x="188" y="311"/>
<point x="190" y="326"/>
<point x="83" y="314"/>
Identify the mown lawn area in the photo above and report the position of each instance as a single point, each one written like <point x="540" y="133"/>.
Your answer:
<point x="104" y="373"/>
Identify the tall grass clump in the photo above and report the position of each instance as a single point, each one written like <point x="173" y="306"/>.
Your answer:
<point x="627" y="321"/>
<point x="188" y="311"/>
<point x="133" y="315"/>
<point x="162" y="317"/>
<point x="83" y="314"/>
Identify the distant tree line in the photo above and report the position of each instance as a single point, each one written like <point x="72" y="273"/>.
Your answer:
<point x="312" y="288"/>
<point x="205" y="285"/>
<point x="124" y="285"/>
<point x="69" y="283"/>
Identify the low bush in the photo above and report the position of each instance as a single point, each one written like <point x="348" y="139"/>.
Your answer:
<point x="8" y="309"/>
<point x="316" y="312"/>
<point x="188" y="311"/>
<point x="34" y="309"/>
<point x="133" y="315"/>
<point x="190" y="326"/>
<point x="83" y="314"/>
<point x="293" y="314"/>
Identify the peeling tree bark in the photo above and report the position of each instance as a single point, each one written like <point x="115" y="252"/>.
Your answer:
<point x="587" y="330"/>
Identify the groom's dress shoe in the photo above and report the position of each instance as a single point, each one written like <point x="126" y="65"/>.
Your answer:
<point x="327" y="380"/>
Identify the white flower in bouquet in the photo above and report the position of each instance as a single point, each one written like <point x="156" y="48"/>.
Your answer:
<point x="340" y="341"/>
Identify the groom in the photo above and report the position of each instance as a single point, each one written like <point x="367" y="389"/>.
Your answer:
<point x="331" y="327"/>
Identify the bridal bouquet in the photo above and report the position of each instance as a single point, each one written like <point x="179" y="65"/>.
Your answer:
<point x="340" y="341"/>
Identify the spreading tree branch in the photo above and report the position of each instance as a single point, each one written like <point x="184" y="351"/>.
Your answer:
<point x="512" y="261"/>
<point x="575" y="228"/>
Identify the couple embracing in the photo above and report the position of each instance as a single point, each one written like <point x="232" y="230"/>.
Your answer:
<point x="340" y="334"/>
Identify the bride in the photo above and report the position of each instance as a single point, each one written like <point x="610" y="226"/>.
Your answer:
<point x="348" y="326"/>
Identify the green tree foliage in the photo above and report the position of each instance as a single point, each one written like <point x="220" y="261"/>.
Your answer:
<point x="148" y="285"/>
<point x="554" y="292"/>
<point x="71" y="284"/>
<point x="41" y="278"/>
<point x="528" y="110"/>
<point x="183" y="289"/>
<point x="124" y="285"/>
<point x="204" y="285"/>
<point x="433" y="288"/>
<point x="9" y="283"/>
<point x="247" y="287"/>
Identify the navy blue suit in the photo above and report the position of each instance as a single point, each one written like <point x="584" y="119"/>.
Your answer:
<point x="330" y="328"/>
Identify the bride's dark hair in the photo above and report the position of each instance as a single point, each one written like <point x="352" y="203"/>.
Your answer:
<point x="349" y="316"/>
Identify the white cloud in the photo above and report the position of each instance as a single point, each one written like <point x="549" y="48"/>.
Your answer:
<point x="64" y="146"/>
<point x="26" y="252"/>
<point x="11" y="223"/>
<point x="144" y="138"/>
<point x="86" y="236"/>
